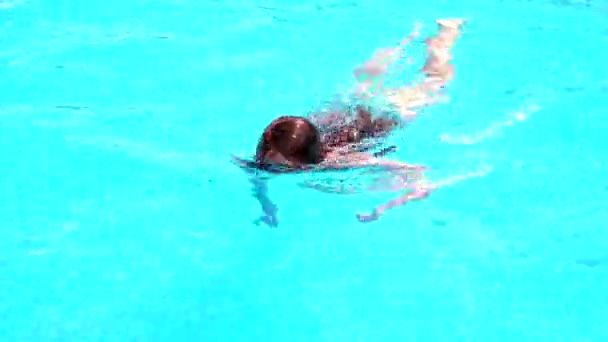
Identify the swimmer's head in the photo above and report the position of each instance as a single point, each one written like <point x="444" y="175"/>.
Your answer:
<point x="290" y="141"/>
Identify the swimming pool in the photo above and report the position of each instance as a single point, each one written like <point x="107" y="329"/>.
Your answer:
<point x="123" y="218"/>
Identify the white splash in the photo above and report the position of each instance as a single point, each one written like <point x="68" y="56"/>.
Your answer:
<point x="494" y="129"/>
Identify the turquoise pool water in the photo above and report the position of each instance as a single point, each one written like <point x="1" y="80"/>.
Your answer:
<point x="122" y="218"/>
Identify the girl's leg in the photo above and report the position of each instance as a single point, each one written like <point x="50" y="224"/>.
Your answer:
<point x="437" y="72"/>
<point x="371" y="74"/>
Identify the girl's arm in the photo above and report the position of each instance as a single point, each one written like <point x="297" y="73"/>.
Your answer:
<point x="364" y="160"/>
<point x="418" y="194"/>
<point x="377" y="175"/>
<point x="420" y="191"/>
<point x="260" y="193"/>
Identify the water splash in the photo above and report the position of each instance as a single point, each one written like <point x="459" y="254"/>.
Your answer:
<point x="494" y="129"/>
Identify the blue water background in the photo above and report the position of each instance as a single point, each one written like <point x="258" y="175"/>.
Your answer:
<point x="122" y="218"/>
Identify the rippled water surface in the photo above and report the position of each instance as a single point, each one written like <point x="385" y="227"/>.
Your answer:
<point x="122" y="218"/>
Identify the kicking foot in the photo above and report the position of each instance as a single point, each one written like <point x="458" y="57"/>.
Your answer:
<point x="453" y="24"/>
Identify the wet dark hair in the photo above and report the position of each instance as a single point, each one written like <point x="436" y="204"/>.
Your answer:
<point x="291" y="143"/>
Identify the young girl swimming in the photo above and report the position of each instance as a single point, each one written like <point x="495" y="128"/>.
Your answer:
<point x="344" y="137"/>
